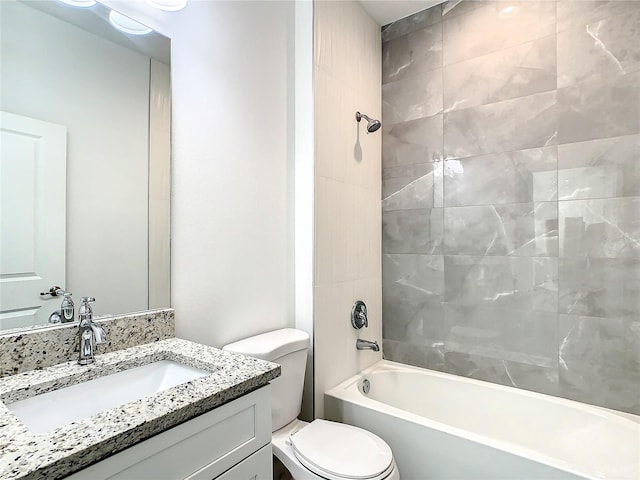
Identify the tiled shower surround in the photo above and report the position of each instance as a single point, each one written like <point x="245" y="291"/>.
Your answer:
<point x="511" y="195"/>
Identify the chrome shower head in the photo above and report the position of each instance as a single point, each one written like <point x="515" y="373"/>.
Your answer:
<point x="372" y="124"/>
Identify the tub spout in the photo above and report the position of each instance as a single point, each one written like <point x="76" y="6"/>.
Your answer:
<point x="367" y="345"/>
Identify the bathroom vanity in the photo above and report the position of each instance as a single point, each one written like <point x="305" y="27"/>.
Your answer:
<point x="217" y="425"/>
<point x="231" y="442"/>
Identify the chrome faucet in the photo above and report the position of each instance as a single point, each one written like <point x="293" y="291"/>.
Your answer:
<point x="90" y="334"/>
<point x="367" y="345"/>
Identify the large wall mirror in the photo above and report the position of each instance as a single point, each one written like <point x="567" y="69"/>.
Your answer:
<point x="85" y="160"/>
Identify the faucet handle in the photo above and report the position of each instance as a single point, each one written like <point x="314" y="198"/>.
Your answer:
<point x="55" y="317"/>
<point x="98" y="333"/>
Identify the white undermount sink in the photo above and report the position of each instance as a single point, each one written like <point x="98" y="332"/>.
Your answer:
<point x="48" y="411"/>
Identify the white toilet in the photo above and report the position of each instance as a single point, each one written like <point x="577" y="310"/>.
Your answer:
<point x="320" y="449"/>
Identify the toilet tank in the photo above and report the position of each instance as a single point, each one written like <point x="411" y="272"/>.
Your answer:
<point x="288" y="348"/>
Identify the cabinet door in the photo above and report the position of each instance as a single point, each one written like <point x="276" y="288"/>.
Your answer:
<point x="207" y="445"/>
<point x="258" y="466"/>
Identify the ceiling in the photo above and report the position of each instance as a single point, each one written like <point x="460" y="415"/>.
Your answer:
<point x="387" y="11"/>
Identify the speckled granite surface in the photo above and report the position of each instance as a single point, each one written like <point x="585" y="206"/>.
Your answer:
<point x="72" y="447"/>
<point x="25" y="350"/>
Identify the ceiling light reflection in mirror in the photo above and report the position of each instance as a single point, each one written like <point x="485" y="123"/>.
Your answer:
<point x="127" y="25"/>
<point x="79" y="3"/>
<point x="168" y="5"/>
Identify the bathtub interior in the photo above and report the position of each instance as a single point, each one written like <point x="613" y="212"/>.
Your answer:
<point x="562" y="432"/>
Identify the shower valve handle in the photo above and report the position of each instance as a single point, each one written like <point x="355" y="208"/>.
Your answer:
<point x="359" y="315"/>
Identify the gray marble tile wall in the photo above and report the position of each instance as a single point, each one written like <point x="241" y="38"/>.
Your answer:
<point x="511" y="195"/>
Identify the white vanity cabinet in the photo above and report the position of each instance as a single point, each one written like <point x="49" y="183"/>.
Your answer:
<point x="231" y="442"/>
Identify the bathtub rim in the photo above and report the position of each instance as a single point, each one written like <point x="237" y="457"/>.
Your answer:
<point x="346" y="392"/>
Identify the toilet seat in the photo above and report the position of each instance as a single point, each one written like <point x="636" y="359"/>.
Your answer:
<point x="336" y="451"/>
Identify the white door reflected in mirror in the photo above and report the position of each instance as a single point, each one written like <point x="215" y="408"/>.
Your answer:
<point x="33" y="157"/>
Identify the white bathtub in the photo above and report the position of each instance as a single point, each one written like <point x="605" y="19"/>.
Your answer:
<point x="442" y="426"/>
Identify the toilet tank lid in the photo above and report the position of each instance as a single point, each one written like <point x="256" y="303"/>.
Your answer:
<point x="271" y="345"/>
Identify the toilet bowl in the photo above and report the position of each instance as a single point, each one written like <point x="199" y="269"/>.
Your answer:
<point x="332" y="451"/>
<point x="320" y="449"/>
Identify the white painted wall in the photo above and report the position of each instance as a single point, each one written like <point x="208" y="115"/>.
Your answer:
<point x="232" y="225"/>
<point x="72" y="80"/>
<point x="347" y="191"/>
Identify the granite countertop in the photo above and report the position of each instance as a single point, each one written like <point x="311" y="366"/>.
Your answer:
<point x="55" y="454"/>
